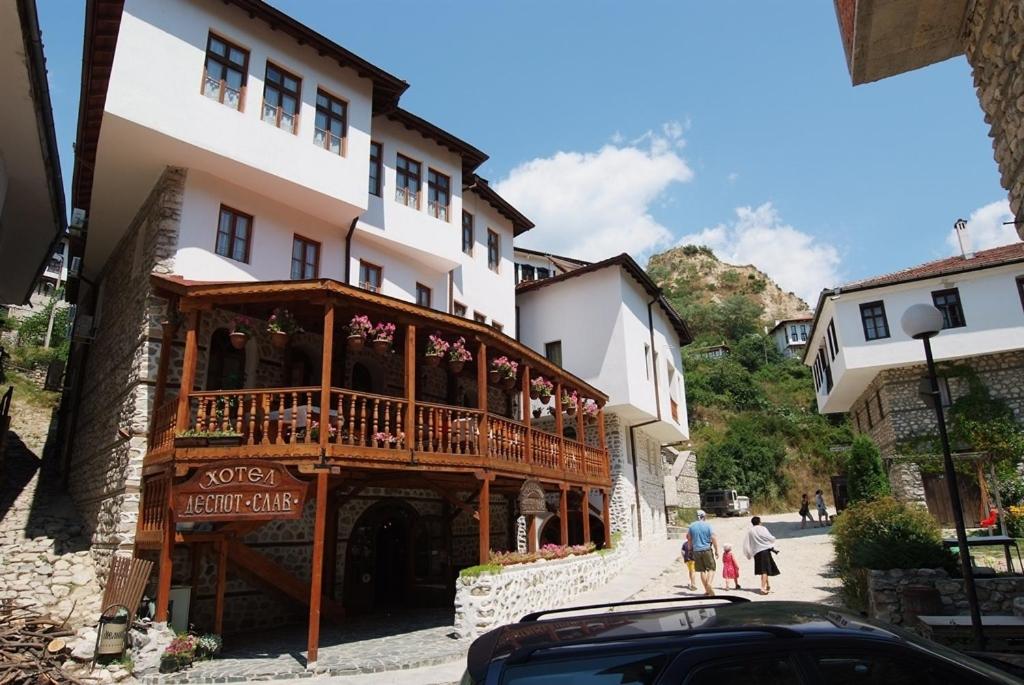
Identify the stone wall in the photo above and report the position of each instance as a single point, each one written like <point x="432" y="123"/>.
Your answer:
<point x="489" y="600"/>
<point x="113" y="417"/>
<point x="887" y="589"/>
<point x="995" y="48"/>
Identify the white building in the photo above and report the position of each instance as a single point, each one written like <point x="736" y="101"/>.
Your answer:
<point x="865" y="365"/>
<point x="790" y="335"/>
<point x="607" y="322"/>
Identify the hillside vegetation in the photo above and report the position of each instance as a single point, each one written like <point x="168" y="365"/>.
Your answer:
<point x="753" y="419"/>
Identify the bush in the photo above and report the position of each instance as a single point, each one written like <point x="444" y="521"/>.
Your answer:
<point x="748" y="457"/>
<point x="865" y="477"/>
<point x="29" y="358"/>
<point x="884" y="534"/>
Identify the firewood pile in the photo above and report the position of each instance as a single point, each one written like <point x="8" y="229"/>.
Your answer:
<point x="32" y="647"/>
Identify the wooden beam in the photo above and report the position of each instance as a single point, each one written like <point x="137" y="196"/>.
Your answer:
<point x="188" y="369"/>
<point x="581" y="437"/>
<point x="222" y="577"/>
<point x="316" y="572"/>
<point x="481" y="398"/>
<point x="325" y="375"/>
<point x="195" y="554"/>
<point x="586" y="515"/>
<point x="166" y="558"/>
<point x="563" y="513"/>
<point x="600" y="429"/>
<point x="527" y="415"/>
<point x="485" y="521"/>
<point x="410" y="386"/>
<point x="606" y="519"/>
<point x="331" y="546"/>
<point x="531" y="533"/>
<point x="559" y="426"/>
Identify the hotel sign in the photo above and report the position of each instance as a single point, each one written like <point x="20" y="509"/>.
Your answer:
<point x="232" y="491"/>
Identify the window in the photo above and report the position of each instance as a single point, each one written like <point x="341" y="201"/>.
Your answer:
<point x="948" y="302"/>
<point x="281" y="98"/>
<point x="376" y="170"/>
<point x="438" y="194"/>
<point x="803" y="332"/>
<point x="370" y="276"/>
<point x="305" y="258"/>
<point x="856" y="417"/>
<point x="872" y="315"/>
<point x="543" y="272"/>
<point x="467" y="233"/>
<point x="793" y="335"/>
<point x="1020" y="289"/>
<point x="878" y="667"/>
<point x="227" y="67"/>
<point x="422" y="295"/>
<point x="234" y="233"/>
<point x="878" y="400"/>
<point x="497" y="326"/>
<point x="331" y="123"/>
<point x="629" y="668"/>
<point x="408" y="179"/>
<point x="493" y="250"/>
<point x="479" y="318"/>
<point x="826" y="370"/>
<point x="553" y="352"/>
<point x="833" y="341"/>
<point x="527" y="272"/>
<point x="871" y="421"/>
<point x="458" y="309"/>
<point x="773" y="670"/>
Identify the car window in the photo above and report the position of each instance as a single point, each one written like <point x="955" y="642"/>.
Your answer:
<point x="616" y="669"/>
<point x="766" y="670"/>
<point x="876" y="669"/>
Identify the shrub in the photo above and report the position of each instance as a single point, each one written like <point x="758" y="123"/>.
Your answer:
<point x="865" y="477"/>
<point x="1015" y="521"/>
<point x="749" y="458"/>
<point x="884" y="534"/>
<point x="482" y="569"/>
<point x="30" y="358"/>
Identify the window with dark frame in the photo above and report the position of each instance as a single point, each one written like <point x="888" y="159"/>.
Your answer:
<point x="1020" y="289"/>
<point x="871" y="421"/>
<point x="832" y="338"/>
<point x="878" y="400"/>
<point x="376" y="169"/>
<point x="331" y="123"/>
<point x="493" y="250"/>
<point x="872" y="316"/>
<point x="543" y="272"/>
<point x="305" y="258"/>
<point x="234" y="234"/>
<point x="553" y="352"/>
<point x="439" y="195"/>
<point x="422" y="295"/>
<point x="948" y="302"/>
<point x="793" y="335"/>
<point x="468" y="237"/>
<point x="497" y="326"/>
<point x="370" y="276"/>
<point x="479" y="318"/>
<point x="281" y="92"/>
<point x="458" y="309"/>
<point x="407" y="181"/>
<point x="226" y="72"/>
<point x="803" y="332"/>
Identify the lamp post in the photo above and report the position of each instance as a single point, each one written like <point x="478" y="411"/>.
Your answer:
<point x="923" y="322"/>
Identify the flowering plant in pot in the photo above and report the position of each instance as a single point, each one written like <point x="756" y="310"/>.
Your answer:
<point x="241" y="330"/>
<point x="590" y="409"/>
<point x="358" y="328"/>
<point x="569" y="401"/>
<point x="314" y="431"/>
<point x="385" y="439"/>
<point x="436" y="348"/>
<point x="541" y="388"/>
<point x="506" y="370"/>
<point x="383" y="335"/>
<point x="458" y="355"/>
<point x="281" y="325"/>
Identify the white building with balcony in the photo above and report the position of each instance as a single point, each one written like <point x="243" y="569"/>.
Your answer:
<point x="865" y="365"/>
<point x="790" y="335"/>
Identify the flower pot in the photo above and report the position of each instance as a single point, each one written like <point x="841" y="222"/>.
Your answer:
<point x="432" y="360"/>
<point x="509" y="382"/>
<point x="238" y="340"/>
<point x="279" y="339"/>
<point x="536" y="413"/>
<point x="456" y="367"/>
<point x="225" y="441"/>
<point x="190" y="441"/>
<point x="534" y="394"/>
<point x="570" y="411"/>
<point x="381" y="346"/>
<point x="544" y="399"/>
<point x="493" y="377"/>
<point x="356" y="342"/>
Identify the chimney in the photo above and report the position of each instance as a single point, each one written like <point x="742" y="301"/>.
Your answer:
<point x="965" y="240"/>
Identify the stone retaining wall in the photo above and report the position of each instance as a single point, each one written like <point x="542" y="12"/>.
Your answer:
<point x="487" y="601"/>
<point x="886" y="591"/>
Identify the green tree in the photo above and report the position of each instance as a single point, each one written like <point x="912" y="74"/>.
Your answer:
<point x="865" y="476"/>
<point x="738" y="316"/>
<point x="755" y="351"/>
<point x="748" y="458"/>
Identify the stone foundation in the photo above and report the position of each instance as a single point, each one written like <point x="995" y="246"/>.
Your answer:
<point x="886" y="591"/>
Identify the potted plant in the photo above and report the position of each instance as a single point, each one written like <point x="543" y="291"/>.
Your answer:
<point x="569" y="401"/>
<point x="226" y="438"/>
<point x="281" y="325"/>
<point x="436" y="349"/>
<point x="536" y="412"/>
<point x="383" y="335"/>
<point x="384" y="439"/>
<point x="358" y="328"/>
<point x="241" y="330"/>
<point x="506" y="370"/>
<point x="458" y="355"/>
<point x="541" y="388"/>
<point x="190" y="438"/>
<point x="590" y="409"/>
<point x="314" y="432"/>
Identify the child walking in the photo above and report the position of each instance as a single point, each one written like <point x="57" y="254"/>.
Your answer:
<point x="690" y="563"/>
<point x="730" y="569"/>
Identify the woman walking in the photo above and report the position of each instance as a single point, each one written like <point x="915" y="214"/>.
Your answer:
<point x="805" y="510"/>
<point x="819" y="500"/>
<point x="759" y="545"/>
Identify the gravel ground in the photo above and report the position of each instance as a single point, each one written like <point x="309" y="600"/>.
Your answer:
<point x="804" y="558"/>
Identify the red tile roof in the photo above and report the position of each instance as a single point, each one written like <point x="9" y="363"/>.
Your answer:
<point x="997" y="256"/>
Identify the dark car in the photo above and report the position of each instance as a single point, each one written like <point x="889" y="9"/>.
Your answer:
<point x="714" y="641"/>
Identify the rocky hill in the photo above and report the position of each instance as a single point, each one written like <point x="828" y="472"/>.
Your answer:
<point x="694" y="275"/>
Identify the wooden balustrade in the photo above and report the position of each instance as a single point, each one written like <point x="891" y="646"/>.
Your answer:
<point x="274" y="416"/>
<point x="545" y="449"/>
<point x="596" y="462"/>
<point x="154" y="505"/>
<point x="506" y="439"/>
<point x="449" y="430"/>
<point x="573" y="456"/>
<point x="164" y="418"/>
<point x="367" y="420"/>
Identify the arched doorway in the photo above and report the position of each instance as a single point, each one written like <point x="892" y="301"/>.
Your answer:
<point x="226" y="370"/>
<point x="378" y="561"/>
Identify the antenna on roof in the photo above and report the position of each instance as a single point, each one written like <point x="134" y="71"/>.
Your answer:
<point x="965" y="240"/>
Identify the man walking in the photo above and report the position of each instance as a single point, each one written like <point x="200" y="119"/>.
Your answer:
<point x="704" y="543"/>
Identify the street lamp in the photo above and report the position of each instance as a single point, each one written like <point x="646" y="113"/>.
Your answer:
<point x="923" y="322"/>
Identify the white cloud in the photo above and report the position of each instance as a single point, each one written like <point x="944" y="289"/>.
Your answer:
<point x="594" y="205"/>
<point x="795" y="260"/>
<point x="732" y="176"/>
<point x="985" y="228"/>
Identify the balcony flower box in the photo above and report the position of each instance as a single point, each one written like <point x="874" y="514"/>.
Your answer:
<point x="281" y="326"/>
<point x="437" y="347"/>
<point x="590" y="410"/>
<point x="541" y="388"/>
<point x="458" y="355"/>
<point x="358" y="328"/>
<point x="569" y="402"/>
<point x="241" y="330"/>
<point x="506" y="370"/>
<point x="190" y="439"/>
<point x="224" y="439"/>
<point x="383" y="335"/>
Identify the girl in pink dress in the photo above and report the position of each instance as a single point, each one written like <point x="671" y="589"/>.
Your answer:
<point x="730" y="569"/>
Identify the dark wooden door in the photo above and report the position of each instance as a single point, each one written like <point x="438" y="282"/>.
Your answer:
<point x="937" y="497"/>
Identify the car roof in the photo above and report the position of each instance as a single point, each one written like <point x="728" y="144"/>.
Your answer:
<point x="677" y="618"/>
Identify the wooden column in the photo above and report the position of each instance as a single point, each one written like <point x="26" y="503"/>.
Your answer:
<point x="563" y="513"/>
<point x="484" y="508"/>
<point x="331" y="546"/>
<point x="222" y="578"/>
<point x="600" y="429"/>
<point x="586" y="515"/>
<point x="316" y="572"/>
<point x="481" y="397"/>
<point x="188" y="369"/>
<point x="531" y="533"/>
<point x="580" y="436"/>
<point x="325" y="376"/>
<point x="527" y="416"/>
<point x="166" y="559"/>
<point x="410" y="386"/>
<point x="983" y="486"/>
<point x="559" y="425"/>
<point x="606" y="518"/>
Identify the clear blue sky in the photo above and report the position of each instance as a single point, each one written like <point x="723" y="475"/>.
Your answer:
<point x="873" y="175"/>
